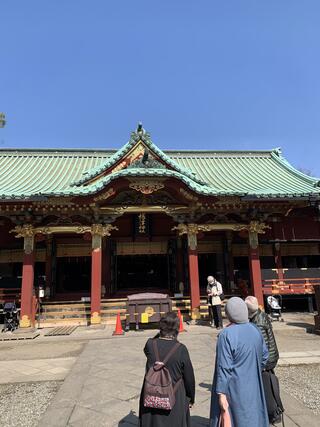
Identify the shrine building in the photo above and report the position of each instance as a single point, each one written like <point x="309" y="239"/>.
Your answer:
<point x="93" y="226"/>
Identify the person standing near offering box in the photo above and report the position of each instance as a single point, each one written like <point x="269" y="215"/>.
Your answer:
<point x="215" y="293"/>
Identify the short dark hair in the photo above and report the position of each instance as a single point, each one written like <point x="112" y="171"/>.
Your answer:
<point x="169" y="324"/>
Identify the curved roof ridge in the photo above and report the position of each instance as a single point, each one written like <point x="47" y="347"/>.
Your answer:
<point x="111" y="151"/>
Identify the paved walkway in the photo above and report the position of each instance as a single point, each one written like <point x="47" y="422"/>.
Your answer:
<point x="288" y="358"/>
<point x="35" y="370"/>
<point x="104" y="373"/>
<point x="104" y="384"/>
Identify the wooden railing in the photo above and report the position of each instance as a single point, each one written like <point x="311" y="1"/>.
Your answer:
<point x="10" y="295"/>
<point x="290" y="286"/>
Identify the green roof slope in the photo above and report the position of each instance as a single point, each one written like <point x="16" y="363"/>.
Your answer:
<point x="30" y="173"/>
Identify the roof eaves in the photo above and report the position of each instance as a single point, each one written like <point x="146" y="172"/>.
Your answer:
<point x="284" y="162"/>
<point x="98" y="186"/>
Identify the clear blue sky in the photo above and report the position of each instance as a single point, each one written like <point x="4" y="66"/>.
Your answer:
<point x="207" y="74"/>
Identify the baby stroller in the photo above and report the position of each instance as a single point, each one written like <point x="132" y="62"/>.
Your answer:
<point x="10" y="313"/>
<point x="274" y="307"/>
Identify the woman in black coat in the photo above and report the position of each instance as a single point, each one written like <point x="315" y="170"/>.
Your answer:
<point x="180" y="367"/>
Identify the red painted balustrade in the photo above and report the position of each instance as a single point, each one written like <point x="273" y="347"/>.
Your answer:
<point x="290" y="286"/>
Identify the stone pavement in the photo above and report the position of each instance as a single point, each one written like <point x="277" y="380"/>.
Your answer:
<point x="288" y="358"/>
<point x="104" y="384"/>
<point x="106" y="372"/>
<point x="35" y="370"/>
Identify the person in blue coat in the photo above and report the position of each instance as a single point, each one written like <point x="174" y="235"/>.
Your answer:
<point x="237" y="392"/>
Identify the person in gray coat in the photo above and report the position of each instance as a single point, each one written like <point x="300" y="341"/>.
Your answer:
<point x="261" y="320"/>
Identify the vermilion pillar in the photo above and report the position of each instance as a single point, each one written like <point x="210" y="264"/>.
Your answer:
<point x="96" y="275"/>
<point x="254" y="265"/>
<point x="194" y="276"/>
<point x="27" y="281"/>
<point x="98" y="231"/>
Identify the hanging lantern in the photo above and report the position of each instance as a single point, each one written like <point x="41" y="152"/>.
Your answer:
<point x="2" y="120"/>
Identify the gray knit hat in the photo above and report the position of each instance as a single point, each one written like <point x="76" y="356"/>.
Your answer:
<point x="236" y="310"/>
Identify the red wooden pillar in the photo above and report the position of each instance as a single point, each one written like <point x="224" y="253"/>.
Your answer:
<point x="27" y="282"/>
<point x="96" y="275"/>
<point x="98" y="231"/>
<point x="194" y="276"/>
<point x="254" y="265"/>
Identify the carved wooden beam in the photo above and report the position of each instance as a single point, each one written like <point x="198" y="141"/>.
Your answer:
<point x="252" y="227"/>
<point x="28" y="230"/>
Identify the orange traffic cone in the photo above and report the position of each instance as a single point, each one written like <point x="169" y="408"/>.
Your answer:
<point x="118" y="330"/>
<point x="181" y="328"/>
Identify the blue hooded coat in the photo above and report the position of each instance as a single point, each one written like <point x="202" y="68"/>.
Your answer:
<point x="241" y="355"/>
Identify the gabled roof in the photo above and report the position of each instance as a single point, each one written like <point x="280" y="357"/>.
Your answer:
<point x="261" y="174"/>
<point x="140" y="136"/>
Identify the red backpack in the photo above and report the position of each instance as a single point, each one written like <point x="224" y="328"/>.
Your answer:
<point x="159" y="391"/>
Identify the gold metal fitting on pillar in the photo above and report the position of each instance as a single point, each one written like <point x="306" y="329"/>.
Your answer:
<point x="195" y="314"/>
<point x="95" y="318"/>
<point x="25" y="322"/>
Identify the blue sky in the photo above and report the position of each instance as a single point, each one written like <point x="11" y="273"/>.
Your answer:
<point x="207" y="74"/>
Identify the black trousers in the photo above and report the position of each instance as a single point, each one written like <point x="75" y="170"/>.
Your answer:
<point x="216" y="315"/>
<point x="272" y="395"/>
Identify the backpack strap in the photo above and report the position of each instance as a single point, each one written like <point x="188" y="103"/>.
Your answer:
<point x="156" y="350"/>
<point x="170" y="353"/>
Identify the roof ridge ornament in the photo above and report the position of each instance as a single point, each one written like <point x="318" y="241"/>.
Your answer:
<point x="140" y="134"/>
<point x="278" y="151"/>
<point x="140" y="128"/>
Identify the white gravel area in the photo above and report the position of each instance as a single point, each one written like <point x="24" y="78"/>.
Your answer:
<point x="302" y="382"/>
<point x="22" y="404"/>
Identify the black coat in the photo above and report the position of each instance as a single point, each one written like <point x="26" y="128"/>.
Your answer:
<point x="261" y="320"/>
<point x="179" y="366"/>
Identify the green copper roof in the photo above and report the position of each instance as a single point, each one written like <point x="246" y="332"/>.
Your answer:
<point x="263" y="174"/>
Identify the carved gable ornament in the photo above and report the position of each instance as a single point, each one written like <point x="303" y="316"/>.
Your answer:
<point x="140" y="157"/>
<point x="146" y="186"/>
<point x="145" y="161"/>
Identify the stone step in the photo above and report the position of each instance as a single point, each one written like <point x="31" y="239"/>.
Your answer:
<point x="78" y="313"/>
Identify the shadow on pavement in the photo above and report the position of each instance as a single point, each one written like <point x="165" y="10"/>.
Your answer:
<point x="309" y="327"/>
<point x="206" y="385"/>
<point x="201" y="323"/>
<point x="131" y="420"/>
